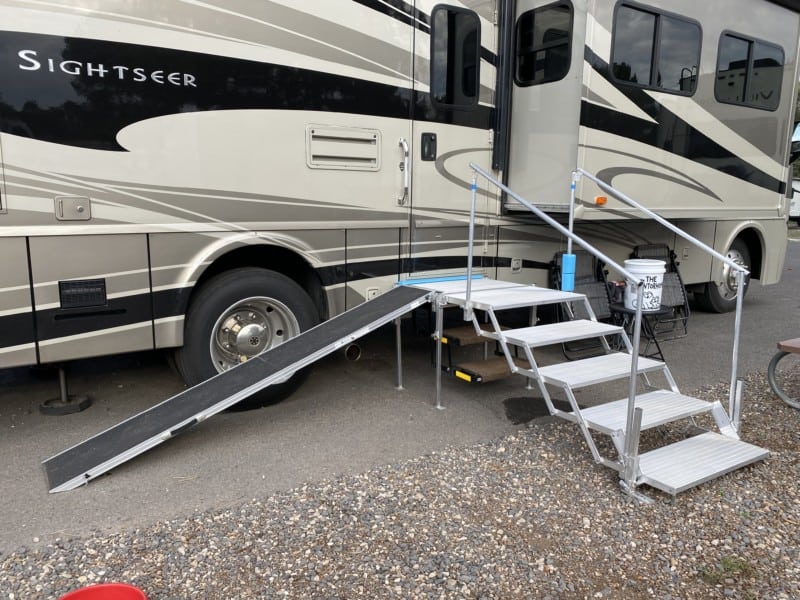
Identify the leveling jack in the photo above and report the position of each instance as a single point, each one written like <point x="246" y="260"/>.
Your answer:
<point x="65" y="403"/>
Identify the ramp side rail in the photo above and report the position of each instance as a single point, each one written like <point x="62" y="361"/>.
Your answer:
<point x="734" y="399"/>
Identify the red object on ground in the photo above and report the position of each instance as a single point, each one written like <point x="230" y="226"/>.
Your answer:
<point x="106" y="591"/>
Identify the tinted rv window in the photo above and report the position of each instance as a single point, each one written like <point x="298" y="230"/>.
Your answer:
<point x="655" y="50"/>
<point x="749" y="72"/>
<point x="455" y="56"/>
<point x="542" y="41"/>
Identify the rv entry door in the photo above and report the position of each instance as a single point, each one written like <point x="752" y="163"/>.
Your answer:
<point x="546" y="64"/>
<point x="451" y="128"/>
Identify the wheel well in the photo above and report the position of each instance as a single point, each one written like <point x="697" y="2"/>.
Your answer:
<point x="753" y="242"/>
<point x="277" y="259"/>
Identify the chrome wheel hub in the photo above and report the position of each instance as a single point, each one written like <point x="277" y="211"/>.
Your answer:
<point x="248" y="328"/>
<point x="730" y="284"/>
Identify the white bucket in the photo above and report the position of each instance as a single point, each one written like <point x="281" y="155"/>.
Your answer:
<point x="652" y="272"/>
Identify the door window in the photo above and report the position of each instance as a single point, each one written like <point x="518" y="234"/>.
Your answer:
<point x="455" y="56"/>
<point x="542" y="42"/>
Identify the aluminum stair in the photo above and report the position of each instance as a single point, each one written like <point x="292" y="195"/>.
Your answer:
<point x="690" y="462"/>
<point x="595" y="370"/>
<point x="659" y="408"/>
<point x="673" y="468"/>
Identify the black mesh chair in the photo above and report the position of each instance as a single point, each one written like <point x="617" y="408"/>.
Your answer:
<point x="675" y="323"/>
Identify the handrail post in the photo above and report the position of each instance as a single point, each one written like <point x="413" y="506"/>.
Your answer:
<point x="474" y="191"/>
<point x="734" y="404"/>
<point x="630" y="457"/>
<point x="575" y="177"/>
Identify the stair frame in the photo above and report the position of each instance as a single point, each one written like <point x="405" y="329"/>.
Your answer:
<point x="505" y="338"/>
<point x="625" y="441"/>
<point x="627" y="460"/>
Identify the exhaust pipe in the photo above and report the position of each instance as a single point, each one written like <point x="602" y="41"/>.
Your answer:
<point x="352" y="352"/>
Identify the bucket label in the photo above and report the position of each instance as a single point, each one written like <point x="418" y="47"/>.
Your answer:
<point x="651" y="292"/>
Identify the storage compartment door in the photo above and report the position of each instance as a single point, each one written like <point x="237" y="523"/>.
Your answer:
<point x="92" y="295"/>
<point x="17" y="337"/>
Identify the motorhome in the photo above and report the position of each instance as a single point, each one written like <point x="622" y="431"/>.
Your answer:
<point x="217" y="177"/>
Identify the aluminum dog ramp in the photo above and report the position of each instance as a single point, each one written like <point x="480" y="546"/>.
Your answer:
<point x="97" y="455"/>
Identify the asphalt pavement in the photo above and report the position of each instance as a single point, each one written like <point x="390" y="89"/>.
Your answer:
<point x="347" y="418"/>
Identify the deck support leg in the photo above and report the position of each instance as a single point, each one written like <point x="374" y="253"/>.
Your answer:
<point x="399" y="349"/>
<point x="437" y="335"/>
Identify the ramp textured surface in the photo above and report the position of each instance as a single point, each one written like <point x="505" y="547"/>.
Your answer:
<point x="175" y="415"/>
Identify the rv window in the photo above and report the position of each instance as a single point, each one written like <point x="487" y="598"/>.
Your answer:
<point x="655" y="51"/>
<point x="455" y="56"/>
<point x="749" y="72"/>
<point x="542" y="42"/>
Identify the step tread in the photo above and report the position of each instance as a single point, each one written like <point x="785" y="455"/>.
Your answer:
<point x="597" y="369"/>
<point x="556" y="333"/>
<point x="690" y="462"/>
<point x="513" y="297"/>
<point x="458" y="285"/>
<point x="658" y="407"/>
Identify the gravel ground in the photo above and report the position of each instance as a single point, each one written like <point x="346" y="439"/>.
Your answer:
<point x="526" y="516"/>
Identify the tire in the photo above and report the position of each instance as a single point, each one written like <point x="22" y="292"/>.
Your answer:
<point x="237" y="315"/>
<point x="720" y="297"/>
<point x="782" y="377"/>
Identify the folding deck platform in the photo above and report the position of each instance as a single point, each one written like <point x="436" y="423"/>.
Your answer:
<point x="97" y="455"/>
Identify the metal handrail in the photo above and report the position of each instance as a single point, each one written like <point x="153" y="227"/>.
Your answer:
<point x="734" y="397"/>
<point x="547" y="219"/>
<point x="634" y="415"/>
<point x="656" y="217"/>
<point x="633" y="422"/>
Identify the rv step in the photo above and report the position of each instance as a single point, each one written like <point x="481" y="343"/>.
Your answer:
<point x="512" y="297"/>
<point x="597" y="369"/>
<point x="108" y="449"/>
<point x="484" y="371"/>
<point x="690" y="462"/>
<point x="465" y="336"/>
<point x="658" y="407"/>
<point x="557" y="333"/>
<point x="458" y="284"/>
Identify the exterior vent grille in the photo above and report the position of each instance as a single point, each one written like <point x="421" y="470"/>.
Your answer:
<point x="344" y="148"/>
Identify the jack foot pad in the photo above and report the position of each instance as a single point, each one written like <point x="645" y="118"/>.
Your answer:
<point x="59" y="406"/>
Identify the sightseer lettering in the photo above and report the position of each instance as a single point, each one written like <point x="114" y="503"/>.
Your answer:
<point x="31" y="62"/>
